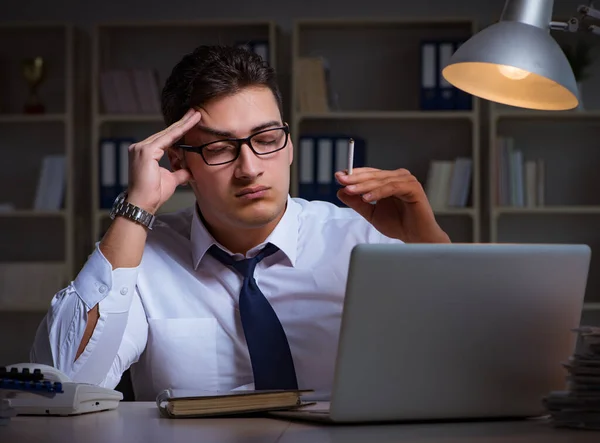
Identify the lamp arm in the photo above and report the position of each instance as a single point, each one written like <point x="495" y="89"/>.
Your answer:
<point x="576" y="24"/>
<point x="571" y="26"/>
<point x="589" y="11"/>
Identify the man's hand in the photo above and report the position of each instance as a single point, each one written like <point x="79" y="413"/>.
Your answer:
<point x="401" y="210"/>
<point x="150" y="185"/>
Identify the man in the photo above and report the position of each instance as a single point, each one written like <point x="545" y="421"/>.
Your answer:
<point x="174" y="297"/>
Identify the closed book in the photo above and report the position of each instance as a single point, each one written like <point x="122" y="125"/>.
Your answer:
<point x="179" y="403"/>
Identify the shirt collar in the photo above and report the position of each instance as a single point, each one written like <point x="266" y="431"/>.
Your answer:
<point x="284" y="236"/>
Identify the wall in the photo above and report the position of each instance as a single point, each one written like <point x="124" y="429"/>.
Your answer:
<point x="283" y="11"/>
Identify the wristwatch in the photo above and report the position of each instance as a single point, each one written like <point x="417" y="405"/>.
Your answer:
<point x="125" y="209"/>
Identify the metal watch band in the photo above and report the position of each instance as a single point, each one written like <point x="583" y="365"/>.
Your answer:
<point x="132" y="212"/>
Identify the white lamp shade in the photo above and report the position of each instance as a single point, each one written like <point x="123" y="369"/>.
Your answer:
<point x="516" y="64"/>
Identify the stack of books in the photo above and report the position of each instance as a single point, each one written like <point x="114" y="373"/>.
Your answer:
<point x="579" y="405"/>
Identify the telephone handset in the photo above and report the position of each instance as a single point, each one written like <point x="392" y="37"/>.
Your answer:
<point x="38" y="389"/>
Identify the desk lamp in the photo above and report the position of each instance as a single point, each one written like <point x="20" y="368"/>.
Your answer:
<point x="516" y="62"/>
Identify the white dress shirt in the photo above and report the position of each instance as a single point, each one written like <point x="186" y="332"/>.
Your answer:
<point x="176" y="317"/>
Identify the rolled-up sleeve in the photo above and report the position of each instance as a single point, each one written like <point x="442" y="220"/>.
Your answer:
<point x="120" y="334"/>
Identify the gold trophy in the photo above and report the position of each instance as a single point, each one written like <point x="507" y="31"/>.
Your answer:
<point x="33" y="71"/>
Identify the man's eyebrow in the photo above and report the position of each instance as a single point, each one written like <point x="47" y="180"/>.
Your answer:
<point x="219" y="133"/>
<point x="267" y="125"/>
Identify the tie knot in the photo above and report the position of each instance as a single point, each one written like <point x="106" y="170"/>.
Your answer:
<point x="246" y="266"/>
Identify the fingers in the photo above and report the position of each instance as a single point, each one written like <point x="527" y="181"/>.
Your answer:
<point x="182" y="176"/>
<point x="157" y="154"/>
<point x="178" y="123"/>
<point x="360" y="175"/>
<point x="185" y="119"/>
<point x="407" y="190"/>
<point x="177" y="130"/>
<point x="165" y="138"/>
<point x="374" y="184"/>
<point x="367" y="186"/>
<point x="356" y="202"/>
<point x="154" y="146"/>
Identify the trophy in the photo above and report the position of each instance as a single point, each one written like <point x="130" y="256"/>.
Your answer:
<point x="33" y="71"/>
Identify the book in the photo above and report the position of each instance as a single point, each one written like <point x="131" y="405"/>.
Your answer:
<point x="177" y="403"/>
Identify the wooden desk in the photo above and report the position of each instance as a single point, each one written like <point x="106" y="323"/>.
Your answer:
<point x="141" y="422"/>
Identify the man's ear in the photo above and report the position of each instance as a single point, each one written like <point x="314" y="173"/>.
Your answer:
<point x="291" y="152"/>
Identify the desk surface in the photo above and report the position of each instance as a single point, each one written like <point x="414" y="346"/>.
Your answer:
<point x="141" y="422"/>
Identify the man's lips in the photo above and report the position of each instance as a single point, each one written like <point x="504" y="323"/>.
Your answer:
<point x="251" y="190"/>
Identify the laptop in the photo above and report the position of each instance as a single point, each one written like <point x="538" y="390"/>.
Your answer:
<point x="454" y="331"/>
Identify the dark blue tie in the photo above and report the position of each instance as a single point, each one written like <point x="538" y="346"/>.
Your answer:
<point x="270" y="354"/>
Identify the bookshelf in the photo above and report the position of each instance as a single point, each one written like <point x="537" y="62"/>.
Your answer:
<point x="372" y="90"/>
<point x="37" y="229"/>
<point x="155" y="46"/>
<point x="569" y="211"/>
<point x="566" y="142"/>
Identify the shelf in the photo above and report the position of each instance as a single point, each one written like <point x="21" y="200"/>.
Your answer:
<point x="547" y="115"/>
<point x="29" y="309"/>
<point x="382" y="22"/>
<point x="129" y="118"/>
<point x="391" y="115"/>
<point x="193" y="23"/>
<point x="32" y="213"/>
<point x="391" y="49"/>
<point x="33" y="118"/>
<point x="547" y="210"/>
<point x="30" y="285"/>
<point x="150" y="46"/>
<point x="455" y="211"/>
<point x="31" y="236"/>
<point x="33" y="262"/>
<point x="105" y="213"/>
<point x="591" y="306"/>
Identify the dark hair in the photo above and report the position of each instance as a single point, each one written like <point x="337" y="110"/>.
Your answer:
<point x="211" y="72"/>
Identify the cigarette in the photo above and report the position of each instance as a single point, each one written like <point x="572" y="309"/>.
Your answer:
<point x="350" y="156"/>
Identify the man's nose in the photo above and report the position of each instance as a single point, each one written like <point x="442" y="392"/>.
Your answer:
<point x="249" y="165"/>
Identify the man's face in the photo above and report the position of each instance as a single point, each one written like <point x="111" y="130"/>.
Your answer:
<point x="251" y="191"/>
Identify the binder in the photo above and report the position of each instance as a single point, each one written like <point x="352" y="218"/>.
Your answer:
<point x="464" y="100"/>
<point x="340" y="160"/>
<point x="307" y="167"/>
<point x="429" y="94"/>
<point x="114" y="168"/>
<point x="447" y="92"/>
<point x="109" y="187"/>
<point x="325" y="170"/>
<point x="320" y="157"/>
<point x="123" y="162"/>
<point x="259" y="47"/>
<point x="436" y="93"/>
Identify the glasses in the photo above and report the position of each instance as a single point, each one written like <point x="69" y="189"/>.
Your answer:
<point x="228" y="150"/>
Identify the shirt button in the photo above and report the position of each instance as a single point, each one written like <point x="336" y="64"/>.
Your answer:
<point x="123" y="291"/>
<point x="102" y="289"/>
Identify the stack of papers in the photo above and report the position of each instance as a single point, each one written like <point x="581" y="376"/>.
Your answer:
<point x="579" y="405"/>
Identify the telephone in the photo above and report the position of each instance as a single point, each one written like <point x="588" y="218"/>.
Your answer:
<point x="37" y="389"/>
